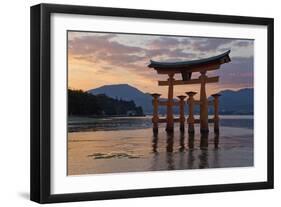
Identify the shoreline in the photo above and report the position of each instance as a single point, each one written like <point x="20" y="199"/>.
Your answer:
<point x="76" y="124"/>
<point x="144" y="115"/>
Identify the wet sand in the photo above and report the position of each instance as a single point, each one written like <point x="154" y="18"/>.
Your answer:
<point x="138" y="150"/>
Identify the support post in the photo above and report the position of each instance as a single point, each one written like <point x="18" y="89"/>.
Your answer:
<point x="190" y="119"/>
<point x="216" y="140"/>
<point x="155" y="118"/>
<point x="191" y="140"/>
<point x="204" y="127"/>
<point x="204" y="141"/>
<point x="170" y="116"/>
<point x="181" y="110"/>
<point x="216" y="112"/>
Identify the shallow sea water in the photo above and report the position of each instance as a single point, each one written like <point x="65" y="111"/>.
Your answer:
<point x="136" y="150"/>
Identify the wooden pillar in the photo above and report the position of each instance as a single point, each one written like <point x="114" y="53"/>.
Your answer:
<point x="190" y="119"/>
<point x="204" y="128"/>
<point x="170" y="142"/>
<point x="216" y="140"/>
<point x="204" y="141"/>
<point x="155" y="117"/>
<point x="170" y="102"/>
<point x="181" y="108"/>
<point x="191" y="140"/>
<point x="182" y="145"/>
<point x="216" y="112"/>
<point x="155" y="142"/>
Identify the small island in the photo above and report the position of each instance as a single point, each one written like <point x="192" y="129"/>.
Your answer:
<point x="82" y="103"/>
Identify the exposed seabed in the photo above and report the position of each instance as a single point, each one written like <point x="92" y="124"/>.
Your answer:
<point x="140" y="150"/>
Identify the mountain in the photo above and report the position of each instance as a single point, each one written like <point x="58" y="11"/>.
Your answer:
<point x="237" y="102"/>
<point x="127" y="93"/>
<point x="231" y="102"/>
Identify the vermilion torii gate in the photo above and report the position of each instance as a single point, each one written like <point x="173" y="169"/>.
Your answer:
<point x="186" y="68"/>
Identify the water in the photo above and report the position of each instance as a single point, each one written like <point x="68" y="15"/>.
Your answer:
<point x="76" y="124"/>
<point x="115" y="145"/>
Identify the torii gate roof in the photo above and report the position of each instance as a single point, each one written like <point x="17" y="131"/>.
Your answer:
<point x="192" y="64"/>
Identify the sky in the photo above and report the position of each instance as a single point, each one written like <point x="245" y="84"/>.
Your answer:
<point x="97" y="59"/>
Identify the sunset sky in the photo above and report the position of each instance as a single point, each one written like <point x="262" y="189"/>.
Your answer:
<point x="97" y="59"/>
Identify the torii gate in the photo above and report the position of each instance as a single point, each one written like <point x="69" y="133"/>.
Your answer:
<point x="186" y="68"/>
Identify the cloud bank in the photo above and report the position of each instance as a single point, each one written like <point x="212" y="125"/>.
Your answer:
<point x="130" y="54"/>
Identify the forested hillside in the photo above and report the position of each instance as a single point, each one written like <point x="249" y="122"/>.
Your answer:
<point x="85" y="104"/>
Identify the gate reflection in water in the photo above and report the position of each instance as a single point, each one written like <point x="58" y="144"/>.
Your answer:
<point x="187" y="150"/>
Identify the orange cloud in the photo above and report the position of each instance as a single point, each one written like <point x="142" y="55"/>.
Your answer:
<point x="96" y="59"/>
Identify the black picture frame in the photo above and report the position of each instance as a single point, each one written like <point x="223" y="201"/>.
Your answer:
<point x="40" y="102"/>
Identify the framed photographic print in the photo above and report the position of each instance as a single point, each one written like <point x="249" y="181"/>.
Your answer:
<point x="133" y="103"/>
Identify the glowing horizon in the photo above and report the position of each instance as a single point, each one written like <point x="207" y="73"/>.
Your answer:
<point x="98" y="59"/>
